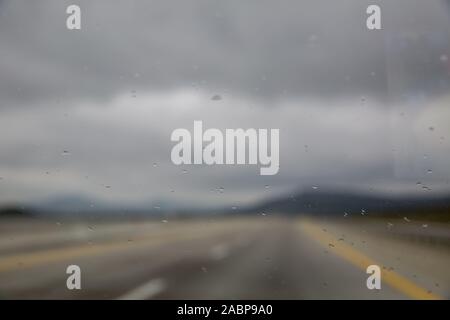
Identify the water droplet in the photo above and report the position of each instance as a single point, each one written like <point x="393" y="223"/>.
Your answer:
<point x="234" y="208"/>
<point x="431" y="128"/>
<point x="155" y="164"/>
<point x="108" y="187"/>
<point x="91" y="228"/>
<point x="65" y="153"/>
<point x="443" y="58"/>
<point x="363" y="212"/>
<point x="345" y="214"/>
<point x="406" y="219"/>
<point x="425" y="225"/>
<point x="204" y="269"/>
<point x="429" y="171"/>
<point x="164" y="221"/>
<point x="390" y="225"/>
<point x="184" y="171"/>
<point x="266" y="186"/>
<point x="315" y="187"/>
<point x="157" y="207"/>
<point x="216" y="97"/>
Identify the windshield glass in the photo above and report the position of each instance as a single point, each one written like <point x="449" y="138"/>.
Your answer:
<point x="224" y="149"/>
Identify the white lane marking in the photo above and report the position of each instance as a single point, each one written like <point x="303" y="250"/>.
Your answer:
<point x="145" y="291"/>
<point x="219" y="252"/>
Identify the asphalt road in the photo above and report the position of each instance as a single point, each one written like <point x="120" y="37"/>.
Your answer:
<point x="239" y="258"/>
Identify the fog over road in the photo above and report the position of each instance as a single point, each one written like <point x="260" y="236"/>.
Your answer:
<point x="237" y="258"/>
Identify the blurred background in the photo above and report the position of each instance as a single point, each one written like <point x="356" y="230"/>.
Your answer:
<point x="86" y="176"/>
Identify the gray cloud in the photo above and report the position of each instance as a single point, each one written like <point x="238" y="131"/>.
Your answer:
<point x="264" y="49"/>
<point x="354" y="107"/>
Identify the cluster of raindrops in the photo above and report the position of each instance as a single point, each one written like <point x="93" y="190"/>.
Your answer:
<point x="421" y="185"/>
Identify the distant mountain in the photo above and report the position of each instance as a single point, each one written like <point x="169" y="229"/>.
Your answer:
<point x="84" y="205"/>
<point x="338" y="203"/>
<point x="15" y="211"/>
<point x="319" y="202"/>
<point x="68" y="204"/>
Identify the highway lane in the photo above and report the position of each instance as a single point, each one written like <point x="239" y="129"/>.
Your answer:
<point x="239" y="258"/>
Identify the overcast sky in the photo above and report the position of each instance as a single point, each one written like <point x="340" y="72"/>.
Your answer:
<point x="90" y="112"/>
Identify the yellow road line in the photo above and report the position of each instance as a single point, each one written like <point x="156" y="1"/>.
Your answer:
<point x="360" y="260"/>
